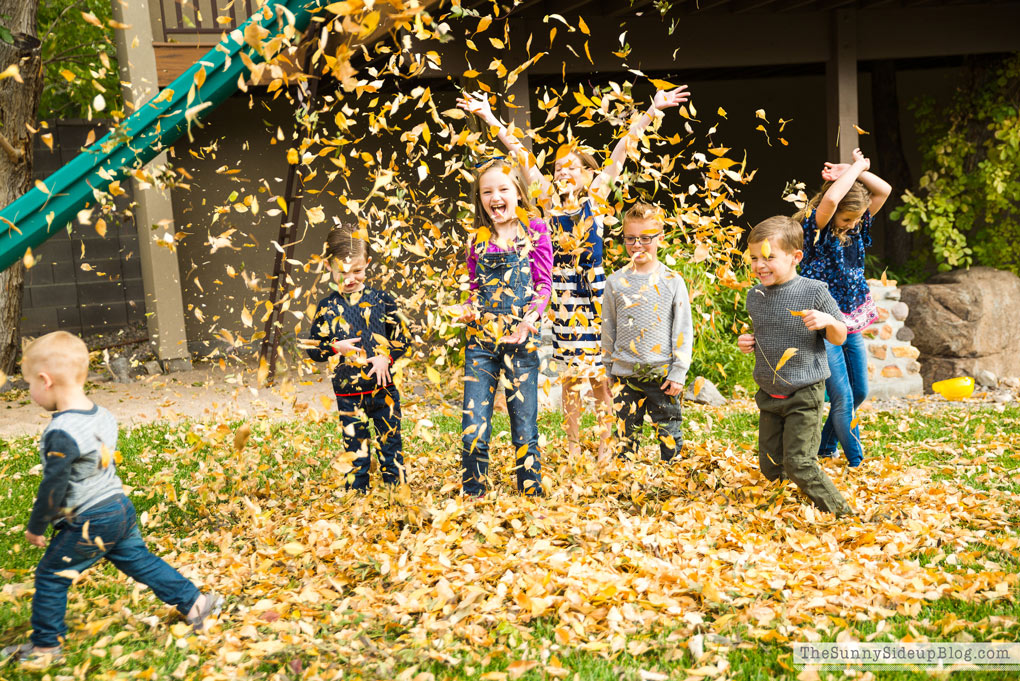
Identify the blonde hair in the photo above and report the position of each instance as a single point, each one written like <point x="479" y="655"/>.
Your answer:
<point x="644" y="211"/>
<point x="583" y="155"/>
<point x="60" y="354"/>
<point x="787" y="232"/>
<point x="856" y="201"/>
<point x="482" y="218"/>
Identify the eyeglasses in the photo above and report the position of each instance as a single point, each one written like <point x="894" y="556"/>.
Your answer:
<point x="644" y="239"/>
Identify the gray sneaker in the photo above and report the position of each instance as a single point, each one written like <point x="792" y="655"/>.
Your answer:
<point x="212" y="606"/>
<point x="28" y="654"/>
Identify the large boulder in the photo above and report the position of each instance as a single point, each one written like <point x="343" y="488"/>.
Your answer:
<point x="966" y="321"/>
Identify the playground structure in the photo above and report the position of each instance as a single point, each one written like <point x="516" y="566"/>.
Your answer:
<point x="152" y="128"/>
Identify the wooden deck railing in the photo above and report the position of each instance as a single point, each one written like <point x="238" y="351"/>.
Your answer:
<point x="207" y="18"/>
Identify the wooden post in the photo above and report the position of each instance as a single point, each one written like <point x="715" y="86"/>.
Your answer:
<point x="841" y="87"/>
<point x="289" y="226"/>
<point x="154" y="215"/>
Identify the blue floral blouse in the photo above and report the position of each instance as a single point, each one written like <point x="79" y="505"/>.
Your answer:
<point x="838" y="264"/>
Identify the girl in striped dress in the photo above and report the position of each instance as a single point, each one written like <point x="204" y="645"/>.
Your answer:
<point x="576" y="201"/>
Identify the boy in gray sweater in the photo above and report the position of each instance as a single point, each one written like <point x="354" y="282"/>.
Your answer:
<point x="791" y="316"/>
<point x="82" y="497"/>
<point x="647" y="335"/>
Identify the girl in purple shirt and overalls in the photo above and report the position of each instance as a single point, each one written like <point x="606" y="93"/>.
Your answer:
<point x="837" y="229"/>
<point x="510" y="268"/>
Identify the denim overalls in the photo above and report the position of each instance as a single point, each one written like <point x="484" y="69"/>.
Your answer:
<point x="504" y="291"/>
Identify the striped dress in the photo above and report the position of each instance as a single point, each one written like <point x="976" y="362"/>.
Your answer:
<point x="578" y="280"/>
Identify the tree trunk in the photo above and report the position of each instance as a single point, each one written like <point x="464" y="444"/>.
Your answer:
<point x="892" y="161"/>
<point x="19" y="103"/>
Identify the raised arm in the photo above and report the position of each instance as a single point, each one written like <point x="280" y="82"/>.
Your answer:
<point x="879" y="188"/>
<point x="663" y="100"/>
<point x="479" y="106"/>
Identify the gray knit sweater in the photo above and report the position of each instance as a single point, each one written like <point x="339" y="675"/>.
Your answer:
<point x="79" y="472"/>
<point x="646" y="324"/>
<point x="777" y="329"/>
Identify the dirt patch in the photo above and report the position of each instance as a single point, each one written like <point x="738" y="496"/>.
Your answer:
<point x="202" y="394"/>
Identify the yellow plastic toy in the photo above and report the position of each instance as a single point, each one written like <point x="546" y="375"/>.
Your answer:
<point x="954" y="388"/>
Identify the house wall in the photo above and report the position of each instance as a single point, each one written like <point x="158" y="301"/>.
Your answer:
<point x="58" y="293"/>
<point x="238" y="136"/>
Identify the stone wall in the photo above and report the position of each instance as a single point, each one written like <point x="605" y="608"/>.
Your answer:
<point x="893" y="369"/>
<point x="966" y="322"/>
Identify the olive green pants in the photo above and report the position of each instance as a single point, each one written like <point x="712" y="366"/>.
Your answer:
<point x="789" y="431"/>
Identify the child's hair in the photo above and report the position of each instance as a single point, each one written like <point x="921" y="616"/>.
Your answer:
<point x="583" y="155"/>
<point x="643" y="211"/>
<point x="523" y="199"/>
<point x="787" y="232"/>
<point x="60" y="354"/>
<point x="856" y="201"/>
<point x="346" y="242"/>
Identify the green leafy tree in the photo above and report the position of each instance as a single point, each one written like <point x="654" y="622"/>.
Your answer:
<point x="968" y="200"/>
<point x="79" y="60"/>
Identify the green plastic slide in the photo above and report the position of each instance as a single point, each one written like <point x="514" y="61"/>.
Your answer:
<point x="37" y="215"/>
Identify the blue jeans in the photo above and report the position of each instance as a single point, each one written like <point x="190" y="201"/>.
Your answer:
<point x="72" y="548"/>
<point x="483" y="363"/>
<point x="382" y="408"/>
<point x="847" y="387"/>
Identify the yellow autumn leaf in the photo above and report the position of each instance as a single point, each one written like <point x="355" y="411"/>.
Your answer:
<point x="660" y="84"/>
<point x="11" y="71"/>
<point x="369" y="23"/>
<point x="294" y="548"/>
<point x="766" y="249"/>
<point x="787" y="355"/>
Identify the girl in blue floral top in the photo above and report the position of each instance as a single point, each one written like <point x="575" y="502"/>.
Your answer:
<point x="837" y="229"/>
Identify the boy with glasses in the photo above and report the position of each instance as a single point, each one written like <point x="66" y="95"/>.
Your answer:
<point x="647" y="335"/>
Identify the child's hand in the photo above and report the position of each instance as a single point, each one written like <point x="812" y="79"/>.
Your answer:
<point x="861" y="159"/>
<point x="746" y="342"/>
<point x="346" y="347"/>
<point x="665" y="99"/>
<point x="520" y="334"/>
<point x="816" y="320"/>
<point x="380" y="370"/>
<point x="463" y="313"/>
<point x="35" y="539"/>
<point x="478" y="105"/>
<point x="832" y="171"/>
<point x="671" y="388"/>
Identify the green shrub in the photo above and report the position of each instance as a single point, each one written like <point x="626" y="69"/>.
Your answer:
<point x="967" y="199"/>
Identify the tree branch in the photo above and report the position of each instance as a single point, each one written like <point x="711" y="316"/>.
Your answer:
<point x="16" y="155"/>
<point x="60" y="16"/>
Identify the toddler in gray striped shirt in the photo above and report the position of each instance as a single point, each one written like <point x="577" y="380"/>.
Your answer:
<point x="82" y="497"/>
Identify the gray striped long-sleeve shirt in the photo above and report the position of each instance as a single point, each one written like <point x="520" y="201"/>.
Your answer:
<point x="646" y="324"/>
<point x="78" y="468"/>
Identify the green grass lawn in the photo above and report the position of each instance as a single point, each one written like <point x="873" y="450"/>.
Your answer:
<point x="227" y="518"/>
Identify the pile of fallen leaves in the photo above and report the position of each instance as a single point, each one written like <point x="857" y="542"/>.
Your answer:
<point x="323" y="583"/>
